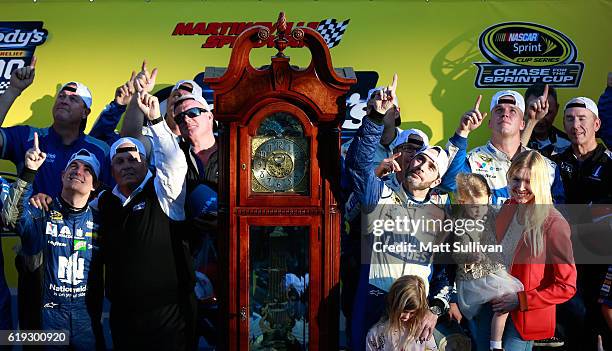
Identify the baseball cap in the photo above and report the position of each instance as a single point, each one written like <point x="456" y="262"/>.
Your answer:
<point x="87" y="157"/>
<point x="407" y="136"/>
<point x="197" y="98"/>
<point x="498" y="98"/>
<point x="439" y="157"/>
<point x="195" y="89"/>
<point x="584" y="102"/>
<point x="137" y="146"/>
<point x="81" y="90"/>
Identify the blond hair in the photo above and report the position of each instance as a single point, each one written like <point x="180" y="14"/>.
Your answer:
<point x="406" y="293"/>
<point x="471" y="185"/>
<point x="539" y="183"/>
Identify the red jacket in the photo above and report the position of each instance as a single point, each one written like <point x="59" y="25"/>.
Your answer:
<point x="549" y="279"/>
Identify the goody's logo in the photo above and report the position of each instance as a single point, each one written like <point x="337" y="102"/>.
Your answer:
<point x="521" y="54"/>
<point x="18" y="40"/>
<point x="11" y="38"/>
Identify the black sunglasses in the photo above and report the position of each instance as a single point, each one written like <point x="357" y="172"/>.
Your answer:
<point x="191" y="113"/>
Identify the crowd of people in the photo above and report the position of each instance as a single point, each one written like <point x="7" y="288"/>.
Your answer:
<point x="127" y="216"/>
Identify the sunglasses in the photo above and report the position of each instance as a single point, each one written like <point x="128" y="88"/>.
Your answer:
<point x="191" y="113"/>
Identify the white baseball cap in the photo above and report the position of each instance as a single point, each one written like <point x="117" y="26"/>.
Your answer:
<point x="439" y="157"/>
<point x="404" y="137"/>
<point x="81" y="90"/>
<point x="194" y="90"/>
<point x="197" y="98"/>
<point x="137" y="146"/>
<point x="584" y="102"/>
<point x="498" y="98"/>
<point x="87" y="157"/>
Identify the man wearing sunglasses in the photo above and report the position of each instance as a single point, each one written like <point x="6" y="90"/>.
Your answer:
<point x="195" y="121"/>
<point x="63" y="243"/>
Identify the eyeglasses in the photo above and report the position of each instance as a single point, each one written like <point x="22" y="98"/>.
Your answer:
<point x="191" y="113"/>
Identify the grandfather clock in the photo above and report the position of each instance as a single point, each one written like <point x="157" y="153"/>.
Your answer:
<point x="279" y="167"/>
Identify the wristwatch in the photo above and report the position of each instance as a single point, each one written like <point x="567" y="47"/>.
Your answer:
<point x="435" y="309"/>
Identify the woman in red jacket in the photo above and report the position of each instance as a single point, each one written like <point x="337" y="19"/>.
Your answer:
<point x="542" y="259"/>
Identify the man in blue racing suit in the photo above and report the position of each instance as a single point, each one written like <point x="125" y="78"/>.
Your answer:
<point x="64" y="240"/>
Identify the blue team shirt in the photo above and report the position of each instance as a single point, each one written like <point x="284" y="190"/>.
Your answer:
<point x="18" y="139"/>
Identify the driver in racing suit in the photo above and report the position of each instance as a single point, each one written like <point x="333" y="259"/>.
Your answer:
<point x="64" y="239"/>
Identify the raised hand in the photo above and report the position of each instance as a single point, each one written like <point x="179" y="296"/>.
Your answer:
<point x="388" y="165"/>
<point x="382" y="100"/>
<point x="123" y="94"/>
<point x="539" y="107"/>
<point x="149" y="105"/>
<point x="34" y="158"/>
<point x="23" y="77"/>
<point x="471" y="119"/>
<point x="146" y="79"/>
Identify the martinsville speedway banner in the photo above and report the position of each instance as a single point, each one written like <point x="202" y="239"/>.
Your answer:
<point x="445" y="52"/>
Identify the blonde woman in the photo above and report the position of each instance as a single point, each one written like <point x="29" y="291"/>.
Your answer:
<point x="542" y="259"/>
<point x="398" y="329"/>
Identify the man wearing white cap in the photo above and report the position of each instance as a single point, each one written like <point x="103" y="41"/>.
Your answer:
<point x="493" y="159"/>
<point x="148" y="268"/>
<point x="382" y="190"/>
<point x="64" y="241"/>
<point x="586" y="167"/>
<point x="63" y="138"/>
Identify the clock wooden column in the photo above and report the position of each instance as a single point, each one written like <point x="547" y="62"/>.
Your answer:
<point x="279" y="177"/>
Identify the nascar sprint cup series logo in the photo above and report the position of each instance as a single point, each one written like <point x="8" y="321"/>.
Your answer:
<point x="525" y="53"/>
<point x="18" y="40"/>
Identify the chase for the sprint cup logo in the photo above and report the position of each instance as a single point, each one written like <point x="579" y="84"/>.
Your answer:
<point x="522" y="53"/>
<point x="18" y="40"/>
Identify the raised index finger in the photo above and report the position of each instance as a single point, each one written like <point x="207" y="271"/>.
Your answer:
<point x="144" y="65"/>
<point x="394" y="83"/>
<point x="36" y="141"/>
<point x="396" y="155"/>
<point x="33" y="62"/>
<point x="477" y="104"/>
<point x="545" y="93"/>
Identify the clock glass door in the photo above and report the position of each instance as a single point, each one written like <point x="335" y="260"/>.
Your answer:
<point x="279" y="287"/>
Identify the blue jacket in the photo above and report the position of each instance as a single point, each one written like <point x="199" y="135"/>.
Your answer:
<point x="373" y="192"/>
<point x="66" y="240"/>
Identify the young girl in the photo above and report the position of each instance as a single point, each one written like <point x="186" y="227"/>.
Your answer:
<point x="398" y="327"/>
<point x="480" y="277"/>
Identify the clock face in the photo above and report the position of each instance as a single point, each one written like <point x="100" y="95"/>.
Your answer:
<point x="280" y="164"/>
